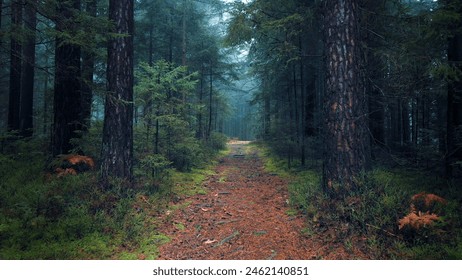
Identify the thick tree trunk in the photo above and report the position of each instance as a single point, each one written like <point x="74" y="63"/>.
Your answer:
<point x="67" y="121"/>
<point x="15" y="66"/>
<point x="346" y="138"/>
<point x="117" y="149"/>
<point x="27" y="83"/>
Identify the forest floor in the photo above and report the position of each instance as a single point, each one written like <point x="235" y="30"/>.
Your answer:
<point x="245" y="215"/>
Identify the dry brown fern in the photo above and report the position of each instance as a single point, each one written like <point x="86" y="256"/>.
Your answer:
<point x="417" y="220"/>
<point x="427" y="199"/>
<point x="78" y="159"/>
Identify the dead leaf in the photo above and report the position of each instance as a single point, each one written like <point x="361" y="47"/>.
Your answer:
<point x="208" y="241"/>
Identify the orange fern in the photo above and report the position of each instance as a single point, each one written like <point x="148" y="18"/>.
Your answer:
<point x="78" y="159"/>
<point x="418" y="220"/>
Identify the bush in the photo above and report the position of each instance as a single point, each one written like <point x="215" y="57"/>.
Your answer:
<point x="187" y="154"/>
<point x="217" y="141"/>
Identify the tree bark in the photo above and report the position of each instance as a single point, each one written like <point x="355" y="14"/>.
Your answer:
<point x="15" y="66"/>
<point x="200" y="129"/>
<point x="209" y="129"/>
<point x="1" y="13"/>
<point x="27" y="83"/>
<point x="454" y="109"/>
<point x="67" y="121"/>
<point x="88" y="69"/>
<point x="183" y="31"/>
<point x="117" y="148"/>
<point x="346" y="138"/>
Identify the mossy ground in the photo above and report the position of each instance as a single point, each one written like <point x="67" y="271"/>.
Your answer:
<point x="45" y="217"/>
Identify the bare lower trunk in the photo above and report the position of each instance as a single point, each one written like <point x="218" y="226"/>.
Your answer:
<point x="117" y="149"/>
<point x="346" y="138"/>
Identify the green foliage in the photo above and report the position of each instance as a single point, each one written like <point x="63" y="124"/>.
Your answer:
<point x="44" y="217"/>
<point x="303" y="190"/>
<point x="161" y="94"/>
<point x="217" y="141"/>
<point x="239" y="30"/>
<point x="156" y="163"/>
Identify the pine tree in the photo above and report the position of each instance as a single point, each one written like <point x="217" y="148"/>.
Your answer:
<point x="67" y="122"/>
<point x="15" y="66"/>
<point x="345" y="138"/>
<point x="27" y="83"/>
<point x="117" y="149"/>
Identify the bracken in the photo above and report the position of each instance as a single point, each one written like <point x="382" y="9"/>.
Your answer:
<point x="78" y="159"/>
<point x="417" y="220"/>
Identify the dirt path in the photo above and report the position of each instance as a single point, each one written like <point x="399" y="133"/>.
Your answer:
<point x="244" y="216"/>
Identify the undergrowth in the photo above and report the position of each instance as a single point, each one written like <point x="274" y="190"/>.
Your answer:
<point x="72" y="217"/>
<point x="373" y="211"/>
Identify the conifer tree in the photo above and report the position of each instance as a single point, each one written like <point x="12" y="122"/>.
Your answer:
<point x="117" y="148"/>
<point x="346" y="137"/>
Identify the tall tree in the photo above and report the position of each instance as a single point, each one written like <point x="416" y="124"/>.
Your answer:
<point x="27" y="84"/>
<point x="88" y="68"/>
<point x="117" y="149"/>
<point x="67" y="102"/>
<point x="1" y="16"/>
<point x="345" y="138"/>
<point x="15" y="66"/>
<point x="454" y="99"/>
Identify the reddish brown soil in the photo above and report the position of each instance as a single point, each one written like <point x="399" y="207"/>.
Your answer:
<point x="244" y="215"/>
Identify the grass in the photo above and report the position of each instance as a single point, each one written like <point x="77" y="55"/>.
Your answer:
<point x="375" y="208"/>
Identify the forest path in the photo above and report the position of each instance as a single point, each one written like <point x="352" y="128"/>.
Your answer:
<point x="244" y="215"/>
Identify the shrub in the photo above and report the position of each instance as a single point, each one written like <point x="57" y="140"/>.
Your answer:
<point x="217" y="141"/>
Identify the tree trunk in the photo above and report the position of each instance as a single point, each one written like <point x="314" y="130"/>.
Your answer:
<point x="67" y="121"/>
<point x="200" y="130"/>
<point x="209" y="129"/>
<point x="1" y="13"/>
<point x="88" y="69"/>
<point x="183" y="31"/>
<point x="267" y="112"/>
<point x="406" y="138"/>
<point x="117" y="148"/>
<point x="15" y="66"/>
<point x="46" y="96"/>
<point x="346" y="138"/>
<point x="27" y="83"/>
<point x="454" y="109"/>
